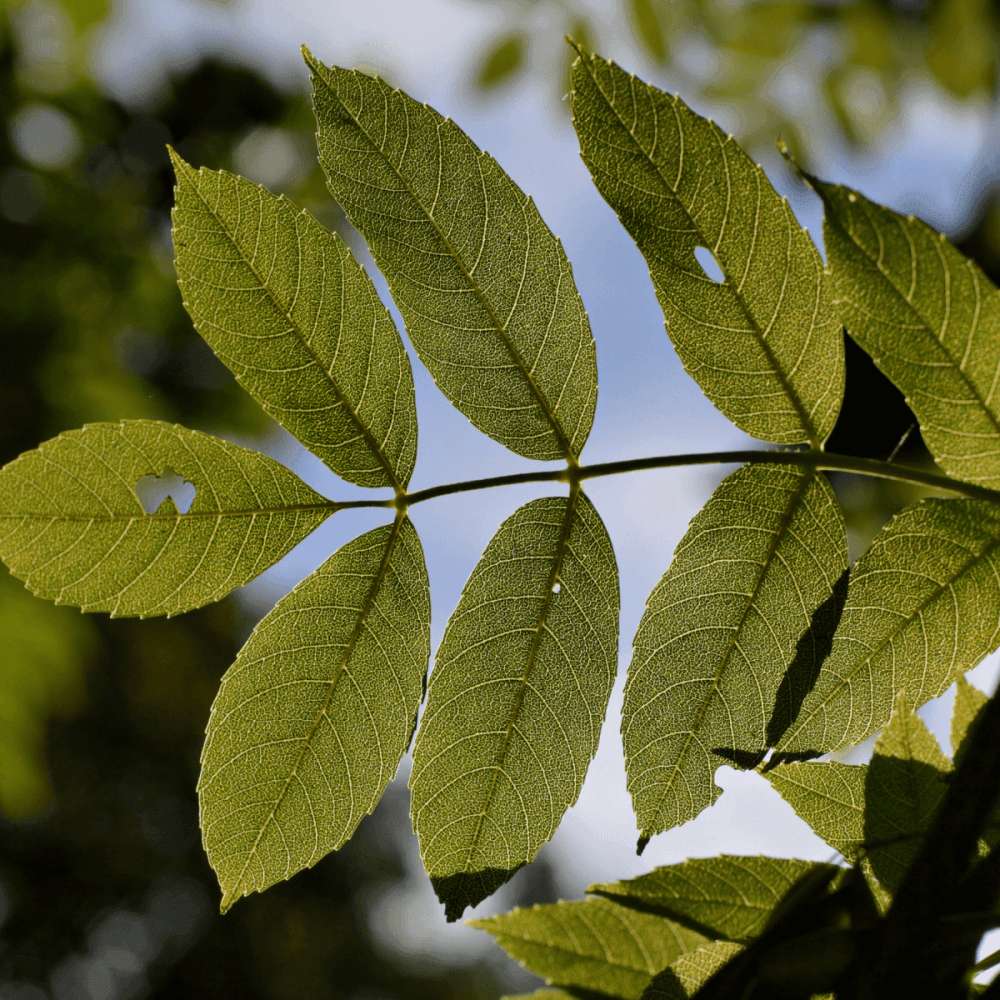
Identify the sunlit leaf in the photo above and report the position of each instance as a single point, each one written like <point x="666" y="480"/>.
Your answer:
<point x="723" y="897"/>
<point x="765" y="343"/>
<point x="517" y="697"/>
<point x="285" y="305"/>
<point x="923" y="607"/>
<point x="929" y="318"/>
<point x="905" y="783"/>
<point x="830" y="797"/>
<point x="485" y="289"/>
<point x="684" y="978"/>
<point x="594" y="945"/>
<point x="72" y="527"/>
<point x="314" y="716"/>
<point x="732" y="638"/>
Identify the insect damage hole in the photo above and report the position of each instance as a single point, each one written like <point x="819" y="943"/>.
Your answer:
<point x="153" y="490"/>
<point x="706" y="259"/>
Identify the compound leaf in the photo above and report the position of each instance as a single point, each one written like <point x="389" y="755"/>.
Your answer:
<point x="314" y="716"/>
<point x="485" y="289"/>
<point x="72" y="527"/>
<point x="594" y="944"/>
<point x="830" y="797"/>
<point x="929" y="318"/>
<point x="905" y="783"/>
<point x="765" y="343"/>
<point x="923" y="607"/>
<point x="284" y="304"/>
<point x="732" y="638"/>
<point x="684" y="978"/>
<point x="517" y="697"/>
<point x="722" y="897"/>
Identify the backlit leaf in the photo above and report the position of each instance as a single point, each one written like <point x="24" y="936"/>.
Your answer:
<point x="314" y="716"/>
<point x="517" y="697"/>
<point x="594" y="944"/>
<point x="685" y="977"/>
<point x="929" y="318"/>
<point x="72" y="527"/>
<point x="285" y="305"/>
<point x="922" y="608"/>
<point x="969" y="702"/>
<point x="764" y="344"/>
<point x="504" y="60"/>
<point x="723" y="897"/>
<point x="732" y="638"/>
<point x="830" y="797"/>
<point x="905" y="783"/>
<point x="485" y="289"/>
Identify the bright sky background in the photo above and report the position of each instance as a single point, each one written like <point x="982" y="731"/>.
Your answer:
<point x="647" y="405"/>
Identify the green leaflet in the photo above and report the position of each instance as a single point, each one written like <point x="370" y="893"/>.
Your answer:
<point x="929" y="318"/>
<point x="830" y="797"/>
<point x="905" y="783"/>
<point x="594" y="944"/>
<point x="923" y="607"/>
<point x="969" y="702"/>
<point x="314" y="716"/>
<point x="683" y="979"/>
<point x="765" y="345"/>
<point x="285" y="305"/>
<point x="73" y="529"/>
<point x="723" y="897"/>
<point x="517" y="697"/>
<point x="485" y="289"/>
<point x="732" y="638"/>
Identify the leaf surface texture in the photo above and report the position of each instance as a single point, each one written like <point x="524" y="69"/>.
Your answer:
<point x="284" y="304"/>
<point x="929" y="318"/>
<point x="594" y="944"/>
<point x="516" y="699"/>
<point x="314" y="716"/>
<point x="732" y="638"/>
<point x="922" y="608"/>
<point x="765" y="344"/>
<point x="485" y="289"/>
<point x="72" y="527"/>
<point x="725" y="897"/>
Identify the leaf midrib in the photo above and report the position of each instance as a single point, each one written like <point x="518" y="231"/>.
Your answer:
<point x="937" y="592"/>
<point x="792" y="395"/>
<point x="231" y="894"/>
<point x="509" y="345"/>
<point x="365" y="432"/>
<point x="331" y="507"/>
<point x="786" y="520"/>
<point x="557" y="562"/>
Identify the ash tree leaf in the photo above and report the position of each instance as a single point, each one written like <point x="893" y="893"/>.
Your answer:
<point x="905" y="783"/>
<point x="315" y="715"/>
<point x="764" y="344"/>
<point x="723" y="897"/>
<point x="690" y="972"/>
<point x="72" y="527"/>
<point x="969" y="702"/>
<point x="485" y="289"/>
<point x="284" y="304"/>
<point x="732" y="638"/>
<point x="594" y="944"/>
<point x="516" y="699"/>
<point x="929" y="318"/>
<point x="922" y="608"/>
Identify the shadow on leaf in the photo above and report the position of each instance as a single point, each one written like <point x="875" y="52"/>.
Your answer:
<point x="468" y="889"/>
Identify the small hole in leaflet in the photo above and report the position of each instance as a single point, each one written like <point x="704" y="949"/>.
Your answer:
<point x="556" y="587"/>
<point x="153" y="490"/>
<point x="709" y="264"/>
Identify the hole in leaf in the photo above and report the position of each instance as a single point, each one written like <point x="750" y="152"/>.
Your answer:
<point x="152" y="491"/>
<point x="556" y="587"/>
<point x="709" y="264"/>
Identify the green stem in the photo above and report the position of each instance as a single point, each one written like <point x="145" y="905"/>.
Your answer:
<point x="803" y="459"/>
